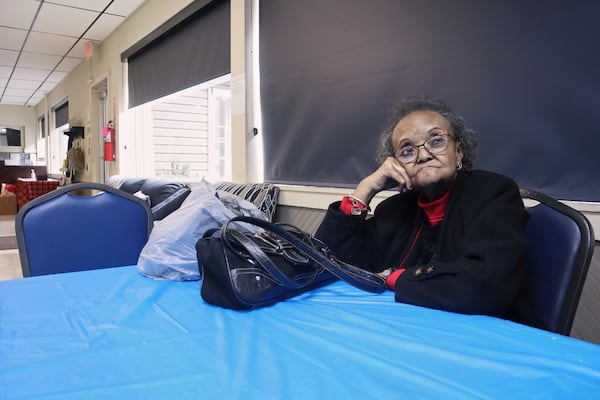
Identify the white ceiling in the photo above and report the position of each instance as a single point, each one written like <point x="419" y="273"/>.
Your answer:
<point x="41" y="41"/>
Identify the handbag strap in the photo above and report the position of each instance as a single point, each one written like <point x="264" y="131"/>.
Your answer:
<point x="259" y="256"/>
<point x="355" y="276"/>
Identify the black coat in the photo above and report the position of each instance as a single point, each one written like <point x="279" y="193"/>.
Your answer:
<point x="478" y="264"/>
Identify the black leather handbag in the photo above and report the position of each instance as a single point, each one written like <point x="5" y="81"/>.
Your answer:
<point x="243" y="271"/>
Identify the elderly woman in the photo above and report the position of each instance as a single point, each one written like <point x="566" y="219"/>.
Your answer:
<point x="453" y="238"/>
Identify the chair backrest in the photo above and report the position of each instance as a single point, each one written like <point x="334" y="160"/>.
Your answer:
<point x="64" y="232"/>
<point x="560" y="247"/>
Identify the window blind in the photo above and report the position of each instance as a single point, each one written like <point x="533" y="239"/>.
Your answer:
<point x="61" y="115"/>
<point x="190" y="48"/>
<point x="522" y="74"/>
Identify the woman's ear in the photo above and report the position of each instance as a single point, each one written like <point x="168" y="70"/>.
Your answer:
<point x="459" y="157"/>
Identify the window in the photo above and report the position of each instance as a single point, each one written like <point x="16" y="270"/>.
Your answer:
<point x="58" y="141"/>
<point x="42" y="126"/>
<point x="219" y="107"/>
<point x="11" y="144"/>
<point x="185" y="134"/>
<point x="188" y="133"/>
<point x="198" y="37"/>
<point x="10" y="136"/>
<point x="41" y="139"/>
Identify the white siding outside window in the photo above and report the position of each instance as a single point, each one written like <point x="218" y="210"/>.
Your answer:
<point x="180" y="136"/>
<point x="188" y="134"/>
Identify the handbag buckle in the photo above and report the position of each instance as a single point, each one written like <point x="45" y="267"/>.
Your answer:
<point x="272" y="243"/>
<point x="276" y="245"/>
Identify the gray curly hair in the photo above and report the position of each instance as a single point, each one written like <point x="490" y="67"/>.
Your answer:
<point x="465" y="137"/>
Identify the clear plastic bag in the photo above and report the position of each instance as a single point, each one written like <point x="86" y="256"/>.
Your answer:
<point x="170" y="252"/>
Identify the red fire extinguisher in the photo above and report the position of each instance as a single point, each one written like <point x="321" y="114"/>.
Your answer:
<point x="109" y="141"/>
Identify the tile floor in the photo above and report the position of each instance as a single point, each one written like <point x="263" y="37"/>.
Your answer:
<point x="10" y="264"/>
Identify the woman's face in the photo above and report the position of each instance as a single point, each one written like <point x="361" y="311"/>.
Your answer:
<point x="431" y="174"/>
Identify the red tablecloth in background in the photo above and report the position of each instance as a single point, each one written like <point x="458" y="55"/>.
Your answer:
<point x="29" y="190"/>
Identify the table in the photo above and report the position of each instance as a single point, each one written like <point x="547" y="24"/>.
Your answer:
<point x="114" y="334"/>
<point x="10" y="173"/>
<point x="29" y="189"/>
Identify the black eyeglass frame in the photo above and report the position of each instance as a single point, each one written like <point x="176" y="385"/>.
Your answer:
<point x="426" y="145"/>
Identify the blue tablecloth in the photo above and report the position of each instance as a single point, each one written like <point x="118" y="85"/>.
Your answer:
<point x="114" y="334"/>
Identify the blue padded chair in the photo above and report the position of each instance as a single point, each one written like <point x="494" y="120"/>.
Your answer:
<point x="560" y="246"/>
<point x="64" y="232"/>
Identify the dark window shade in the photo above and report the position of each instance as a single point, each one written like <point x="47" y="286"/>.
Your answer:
<point x="61" y="114"/>
<point x="193" y="51"/>
<point x="521" y="73"/>
<point x="13" y="137"/>
<point x="43" y="126"/>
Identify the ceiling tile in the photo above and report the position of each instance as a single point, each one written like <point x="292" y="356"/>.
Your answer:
<point x="124" y="7"/>
<point x="47" y="86"/>
<point x="103" y="27"/>
<point x="57" y="76"/>
<point x="5" y="71"/>
<point x="94" y="5"/>
<point x="11" y="38"/>
<point x="24" y="84"/>
<point x="35" y="99"/>
<point x="68" y="64"/>
<point x="30" y="74"/>
<point x="63" y="20"/>
<point x="78" y="51"/>
<point x="47" y="54"/>
<point x="40" y="61"/>
<point x="19" y="100"/>
<point x="19" y="16"/>
<point x="44" y="43"/>
<point x="8" y="57"/>
<point x="18" y="92"/>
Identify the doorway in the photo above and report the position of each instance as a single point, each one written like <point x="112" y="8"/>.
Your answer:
<point x="98" y="119"/>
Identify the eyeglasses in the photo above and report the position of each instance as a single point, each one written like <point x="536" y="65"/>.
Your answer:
<point x="434" y="145"/>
